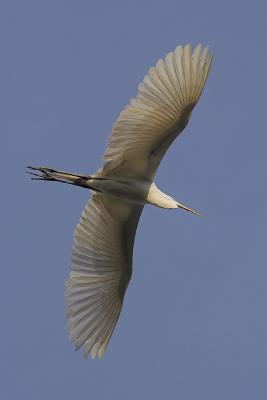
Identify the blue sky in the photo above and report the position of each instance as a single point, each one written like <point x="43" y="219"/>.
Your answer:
<point x="194" y="322"/>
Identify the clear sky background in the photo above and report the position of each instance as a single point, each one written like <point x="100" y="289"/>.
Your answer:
<point x="194" y="321"/>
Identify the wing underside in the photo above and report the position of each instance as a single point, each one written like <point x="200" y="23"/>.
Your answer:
<point x="101" y="268"/>
<point x="148" y="125"/>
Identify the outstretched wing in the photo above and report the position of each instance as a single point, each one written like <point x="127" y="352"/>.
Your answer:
<point x="150" y="123"/>
<point x="100" y="271"/>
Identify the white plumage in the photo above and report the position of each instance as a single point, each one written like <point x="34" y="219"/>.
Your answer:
<point x="101" y="263"/>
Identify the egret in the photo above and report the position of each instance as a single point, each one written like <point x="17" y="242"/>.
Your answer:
<point x="101" y="260"/>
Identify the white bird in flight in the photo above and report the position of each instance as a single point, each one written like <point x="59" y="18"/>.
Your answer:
<point x="101" y="261"/>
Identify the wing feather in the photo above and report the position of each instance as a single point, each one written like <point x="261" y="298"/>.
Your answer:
<point x="148" y="125"/>
<point x="100" y="271"/>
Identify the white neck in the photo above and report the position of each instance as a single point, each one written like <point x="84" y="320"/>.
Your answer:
<point x="160" y="199"/>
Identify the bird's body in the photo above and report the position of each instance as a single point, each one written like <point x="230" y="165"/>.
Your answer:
<point x="102" y="252"/>
<point x="130" y="190"/>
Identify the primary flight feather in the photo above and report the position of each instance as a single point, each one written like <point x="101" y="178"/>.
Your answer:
<point x="101" y="261"/>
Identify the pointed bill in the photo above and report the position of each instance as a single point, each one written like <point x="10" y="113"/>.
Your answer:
<point x="188" y="209"/>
